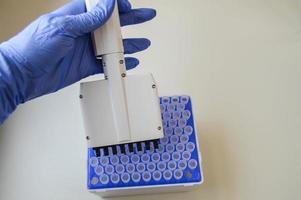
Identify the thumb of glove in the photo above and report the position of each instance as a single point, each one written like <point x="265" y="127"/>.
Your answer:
<point x="81" y="24"/>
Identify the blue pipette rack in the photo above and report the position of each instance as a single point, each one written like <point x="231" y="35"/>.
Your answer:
<point x="175" y="163"/>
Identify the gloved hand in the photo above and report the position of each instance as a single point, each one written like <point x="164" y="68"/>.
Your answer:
<point x="56" y="51"/>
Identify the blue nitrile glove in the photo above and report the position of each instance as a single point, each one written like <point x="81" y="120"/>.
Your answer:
<point x="56" y="51"/>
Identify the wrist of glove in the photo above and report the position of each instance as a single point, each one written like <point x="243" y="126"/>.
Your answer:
<point x="11" y="84"/>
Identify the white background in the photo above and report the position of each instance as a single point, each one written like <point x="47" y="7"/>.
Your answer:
<point x="240" y="62"/>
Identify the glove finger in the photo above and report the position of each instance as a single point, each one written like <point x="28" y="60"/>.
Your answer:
<point x="137" y="16"/>
<point x="130" y="63"/>
<point x="124" y="6"/>
<point x="135" y="45"/>
<point x="75" y="7"/>
<point x="78" y="25"/>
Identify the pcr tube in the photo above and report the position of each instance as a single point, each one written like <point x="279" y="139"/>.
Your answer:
<point x="168" y="131"/>
<point x="172" y="165"/>
<point x="192" y="164"/>
<point x="160" y="149"/>
<point x="157" y="175"/>
<point x="172" y="123"/>
<point x="136" y="177"/>
<point x="140" y="167"/>
<point x="102" y="152"/>
<point x="130" y="168"/>
<point x="151" y="150"/>
<point x="104" y="161"/>
<point x="104" y="179"/>
<point x="166" y="116"/>
<point x="115" y="178"/>
<point x="93" y="161"/>
<point x="146" y="176"/>
<point x="165" y="100"/>
<point x="176" y="156"/>
<point x="167" y="175"/>
<point x="174" y="139"/>
<point x="110" y="151"/>
<point x="180" y="107"/>
<point x="178" y="174"/>
<point x="175" y="99"/>
<point x="98" y="170"/>
<point x="94" y="180"/>
<point x="182" y="164"/>
<point x="170" y="148"/>
<point x="165" y="157"/>
<point x="182" y="123"/>
<point x="164" y="140"/>
<point x="125" y="159"/>
<point x="145" y="158"/>
<point x="176" y="115"/>
<point x="171" y="107"/>
<point x="190" y="146"/>
<point x="125" y="177"/>
<point x="142" y="148"/>
<point x="184" y="139"/>
<point x="114" y="160"/>
<point x="178" y="131"/>
<point x="109" y="169"/>
<point x="161" y="166"/>
<point x="151" y="166"/>
<point x="180" y="147"/>
<point x="186" y="114"/>
<point x="186" y="155"/>
<point x="184" y="99"/>
<point x="119" y="168"/>
<point x="119" y="153"/>
<point x="188" y="130"/>
<point x="155" y="157"/>
<point x="127" y="150"/>
<point x="135" y="159"/>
